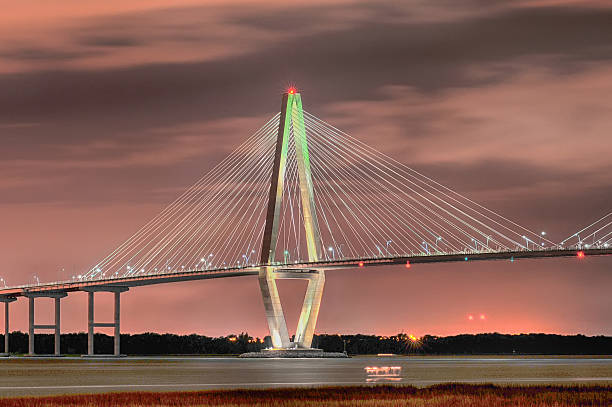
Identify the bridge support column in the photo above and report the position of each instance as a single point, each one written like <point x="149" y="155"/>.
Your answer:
<point x="117" y="344"/>
<point x="32" y="327"/>
<point x="90" y="323"/>
<point x="57" y="327"/>
<point x="6" y="300"/>
<point x="310" y="310"/>
<point x="274" y="309"/>
<point x="291" y="118"/>
<point x="116" y="324"/>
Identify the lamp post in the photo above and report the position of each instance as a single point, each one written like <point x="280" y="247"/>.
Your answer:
<point x="579" y="241"/>
<point x="526" y="242"/>
<point x="387" y="247"/>
<point x="426" y="248"/>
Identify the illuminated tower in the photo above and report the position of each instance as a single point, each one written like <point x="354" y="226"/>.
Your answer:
<point x="292" y="117"/>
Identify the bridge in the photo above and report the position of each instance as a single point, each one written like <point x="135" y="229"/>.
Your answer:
<point x="298" y="198"/>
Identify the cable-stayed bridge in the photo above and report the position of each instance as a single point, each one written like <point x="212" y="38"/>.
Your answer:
<point x="297" y="198"/>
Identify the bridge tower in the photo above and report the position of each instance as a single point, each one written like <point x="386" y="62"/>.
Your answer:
<point x="291" y="118"/>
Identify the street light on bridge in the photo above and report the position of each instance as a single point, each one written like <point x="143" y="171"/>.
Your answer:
<point x="331" y="249"/>
<point x="526" y="242"/>
<point x="426" y="248"/>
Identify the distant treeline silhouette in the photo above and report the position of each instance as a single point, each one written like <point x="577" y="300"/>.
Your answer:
<point x="170" y="344"/>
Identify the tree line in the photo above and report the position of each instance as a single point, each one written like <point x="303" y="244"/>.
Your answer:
<point x="401" y="344"/>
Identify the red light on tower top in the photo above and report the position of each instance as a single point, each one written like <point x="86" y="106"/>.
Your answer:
<point x="291" y="91"/>
<point x="580" y="254"/>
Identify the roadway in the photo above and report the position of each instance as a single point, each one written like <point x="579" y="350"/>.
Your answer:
<point x="190" y="275"/>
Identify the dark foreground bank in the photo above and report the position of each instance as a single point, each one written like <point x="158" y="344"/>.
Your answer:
<point x="438" y="395"/>
<point x="170" y="344"/>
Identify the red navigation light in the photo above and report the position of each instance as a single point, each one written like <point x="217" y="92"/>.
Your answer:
<point x="291" y="91"/>
<point x="360" y="264"/>
<point x="407" y="264"/>
<point x="580" y="254"/>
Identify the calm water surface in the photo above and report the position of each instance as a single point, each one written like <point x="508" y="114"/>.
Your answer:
<point x="39" y="376"/>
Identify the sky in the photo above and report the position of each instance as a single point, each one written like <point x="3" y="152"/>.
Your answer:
<point x="108" y="110"/>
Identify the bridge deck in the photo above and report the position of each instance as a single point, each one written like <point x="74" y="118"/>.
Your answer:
<point x="135" y="281"/>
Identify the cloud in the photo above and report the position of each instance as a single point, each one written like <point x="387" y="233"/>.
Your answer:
<point x="110" y="41"/>
<point x="109" y="170"/>
<point x="524" y="120"/>
<point x="38" y="55"/>
<point x="403" y="79"/>
<point x="323" y="58"/>
<point x="521" y="147"/>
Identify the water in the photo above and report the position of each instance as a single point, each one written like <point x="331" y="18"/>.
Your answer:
<point x="40" y="376"/>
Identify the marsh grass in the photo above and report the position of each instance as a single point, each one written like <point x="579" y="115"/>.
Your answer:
<point x="458" y="395"/>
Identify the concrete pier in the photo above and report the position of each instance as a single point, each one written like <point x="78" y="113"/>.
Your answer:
<point x="31" y="326"/>
<point x="117" y="314"/>
<point x="274" y="309"/>
<point x="6" y="300"/>
<point x="116" y="324"/>
<point x="56" y="327"/>
<point x="90" y="323"/>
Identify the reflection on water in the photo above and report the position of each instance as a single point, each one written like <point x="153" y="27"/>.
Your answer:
<point x="33" y="376"/>
<point x="383" y="373"/>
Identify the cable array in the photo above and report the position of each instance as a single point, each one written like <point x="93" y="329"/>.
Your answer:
<point x="368" y="205"/>
<point x="216" y="223"/>
<point x="597" y="235"/>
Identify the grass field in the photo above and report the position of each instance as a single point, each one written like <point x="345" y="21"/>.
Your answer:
<point x="458" y="395"/>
